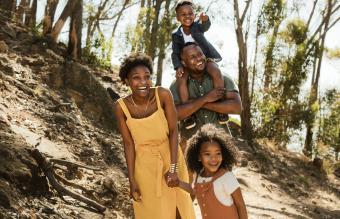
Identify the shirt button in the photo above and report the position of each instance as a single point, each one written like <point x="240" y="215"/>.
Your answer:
<point x="203" y="205"/>
<point x="205" y="215"/>
<point x="202" y="195"/>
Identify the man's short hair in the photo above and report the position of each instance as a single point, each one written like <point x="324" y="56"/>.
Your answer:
<point x="188" y="44"/>
<point x="182" y="3"/>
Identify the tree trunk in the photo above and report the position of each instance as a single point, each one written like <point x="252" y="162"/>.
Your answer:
<point x="32" y="19"/>
<point x="163" y="41"/>
<point x="7" y="8"/>
<point x="152" y="45"/>
<point x="147" y="27"/>
<point x="135" y="45"/>
<point x="61" y="21"/>
<point x="22" y="11"/>
<point x="120" y="13"/>
<point x="93" y="22"/>
<point x="269" y="68"/>
<point x="246" y="127"/>
<point x="313" y="95"/>
<point x="75" y="35"/>
<point x="50" y="9"/>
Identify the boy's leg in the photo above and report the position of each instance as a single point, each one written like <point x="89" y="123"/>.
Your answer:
<point x="216" y="75"/>
<point x="182" y="89"/>
<point x="183" y="94"/>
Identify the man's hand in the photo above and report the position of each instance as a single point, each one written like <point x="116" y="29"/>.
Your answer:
<point x="179" y="72"/>
<point x="215" y="94"/>
<point x="203" y="17"/>
<point x="135" y="192"/>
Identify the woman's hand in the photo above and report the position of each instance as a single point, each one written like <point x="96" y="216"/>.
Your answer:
<point x="135" y="192"/>
<point x="171" y="179"/>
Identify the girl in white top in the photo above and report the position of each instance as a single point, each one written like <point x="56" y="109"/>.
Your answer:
<point x="211" y="155"/>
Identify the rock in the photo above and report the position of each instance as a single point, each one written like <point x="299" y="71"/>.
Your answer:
<point x="3" y="47"/>
<point x="9" y="30"/>
<point x="114" y="96"/>
<point x="55" y="56"/>
<point x="60" y="118"/>
<point x="244" y="162"/>
<point x="318" y="163"/>
<point x="4" y="200"/>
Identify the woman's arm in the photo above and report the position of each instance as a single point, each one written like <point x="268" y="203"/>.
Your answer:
<point x="129" y="149"/>
<point x="171" y="115"/>
<point x="239" y="203"/>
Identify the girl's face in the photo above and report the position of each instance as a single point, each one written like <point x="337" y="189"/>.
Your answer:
<point x="211" y="157"/>
<point x="139" y="80"/>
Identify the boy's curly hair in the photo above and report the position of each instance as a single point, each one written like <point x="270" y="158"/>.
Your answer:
<point x="132" y="61"/>
<point x="206" y="133"/>
<point x="182" y="3"/>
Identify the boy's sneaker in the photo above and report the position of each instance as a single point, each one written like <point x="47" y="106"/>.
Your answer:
<point x="222" y="118"/>
<point x="189" y="123"/>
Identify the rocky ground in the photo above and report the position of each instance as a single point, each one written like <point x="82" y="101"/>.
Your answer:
<point x="63" y="109"/>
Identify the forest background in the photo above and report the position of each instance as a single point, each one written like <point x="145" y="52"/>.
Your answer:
<point x="284" y="55"/>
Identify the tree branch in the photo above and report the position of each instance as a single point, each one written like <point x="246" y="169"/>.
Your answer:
<point x="245" y="11"/>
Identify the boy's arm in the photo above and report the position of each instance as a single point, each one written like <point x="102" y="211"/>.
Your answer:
<point x="239" y="203"/>
<point x="204" y="25"/>
<point x="175" y="55"/>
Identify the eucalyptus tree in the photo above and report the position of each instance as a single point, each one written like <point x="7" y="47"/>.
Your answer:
<point x="7" y="9"/>
<point x="152" y="33"/>
<point x="329" y="130"/>
<point x="50" y="9"/>
<point x="331" y="7"/>
<point x="242" y="37"/>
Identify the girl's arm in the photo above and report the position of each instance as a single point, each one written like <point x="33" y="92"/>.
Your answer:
<point x="186" y="187"/>
<point x="239" y="203"/>
<point x="129" y="149"/>
<point x="171" y="115"/>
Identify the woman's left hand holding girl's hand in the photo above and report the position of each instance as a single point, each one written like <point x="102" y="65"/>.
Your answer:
<point x="172" y="179"/>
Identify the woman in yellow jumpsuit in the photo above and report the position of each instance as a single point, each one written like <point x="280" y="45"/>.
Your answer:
<point x="147" y="121"/>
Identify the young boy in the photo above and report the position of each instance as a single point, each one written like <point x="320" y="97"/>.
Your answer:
<point x="193" y="31"/>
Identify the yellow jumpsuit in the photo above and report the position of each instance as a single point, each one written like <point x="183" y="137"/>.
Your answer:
<point x="152" y="161"/>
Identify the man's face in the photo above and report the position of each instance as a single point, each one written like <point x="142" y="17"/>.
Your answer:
<point x="185" y="15"/>
<point x="193" y="58"/>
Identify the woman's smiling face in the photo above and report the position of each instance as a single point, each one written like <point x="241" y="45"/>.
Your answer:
<point x="139" y="80"/>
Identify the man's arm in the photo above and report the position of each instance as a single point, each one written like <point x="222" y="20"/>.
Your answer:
<point x="187" y="109"/>
<point x="230" y="105"/>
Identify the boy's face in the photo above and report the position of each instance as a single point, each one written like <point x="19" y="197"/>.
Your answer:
<point x="185" y="15"/>
<point x="211" y="157"/>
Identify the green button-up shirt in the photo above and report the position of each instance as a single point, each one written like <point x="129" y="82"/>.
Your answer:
<point x="198" y="89"/>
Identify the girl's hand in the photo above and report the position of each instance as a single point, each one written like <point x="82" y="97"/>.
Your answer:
<point x="203" y="17"/>
<point x="135" y="192"/>
<point x="172" y="179"/>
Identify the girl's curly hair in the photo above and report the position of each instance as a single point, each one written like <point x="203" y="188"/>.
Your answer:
<point x="132" y="61"/>
<point x="208" y="133"/>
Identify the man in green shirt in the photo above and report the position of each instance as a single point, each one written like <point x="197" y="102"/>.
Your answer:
<point x="205" y="100"/>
